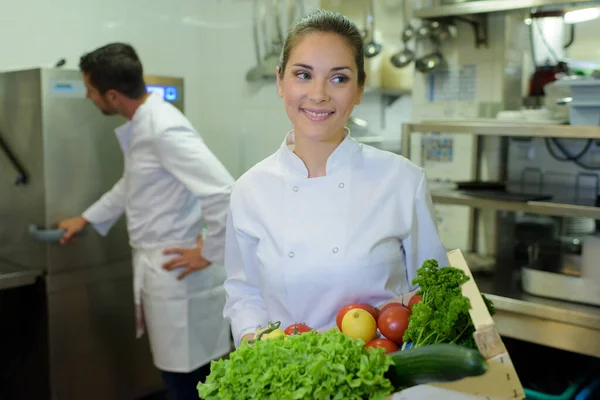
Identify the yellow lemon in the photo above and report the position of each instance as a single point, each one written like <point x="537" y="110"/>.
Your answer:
<point x="273" y="334"/>
<point x="359" y="324"/>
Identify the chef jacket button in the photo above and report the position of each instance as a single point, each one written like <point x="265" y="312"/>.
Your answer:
<point x="295" y="188"/>
<point x="291" y="254"/>
<point x="341" y="185"/>
<point x="335" y="250"/>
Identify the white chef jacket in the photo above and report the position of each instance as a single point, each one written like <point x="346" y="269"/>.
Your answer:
<point x="171" y="187"/>
<point x="173" y="184"/>
<point x="299" y="249"/>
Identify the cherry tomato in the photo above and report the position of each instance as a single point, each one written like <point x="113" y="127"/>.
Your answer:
<point x="388" y="345"/>
<point x="296" y="329"/>
<point x="346" y="308"/>
<point x="414" y="300"/>
<point x="393" y="322"/>
<point x="389" y="305"/>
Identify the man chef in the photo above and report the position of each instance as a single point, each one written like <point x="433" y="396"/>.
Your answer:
<point x="172" y="187"/>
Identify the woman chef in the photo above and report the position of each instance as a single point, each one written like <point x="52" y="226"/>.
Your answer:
<point x="172" y="186"/>
<point x="325" y="221"/>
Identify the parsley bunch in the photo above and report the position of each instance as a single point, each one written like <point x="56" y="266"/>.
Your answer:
<point x="442" y="316"/>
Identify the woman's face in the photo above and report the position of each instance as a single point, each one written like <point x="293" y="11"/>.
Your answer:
<point x="320" y="86"/>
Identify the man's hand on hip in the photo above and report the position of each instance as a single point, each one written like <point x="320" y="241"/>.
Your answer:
<point x="189" y="259"/>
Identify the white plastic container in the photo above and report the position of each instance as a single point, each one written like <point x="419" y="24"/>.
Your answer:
<point x="584" y="113"/>
<point x="584" y="109"/>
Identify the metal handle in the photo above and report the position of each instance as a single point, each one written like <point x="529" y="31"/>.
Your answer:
<point x="49" y="235"/>
<point x="22" y="177"/>
<point x="563" y="101"/>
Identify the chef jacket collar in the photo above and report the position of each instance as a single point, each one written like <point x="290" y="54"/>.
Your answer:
<point x="338" y="160"/>
<point x="123" y="132"/>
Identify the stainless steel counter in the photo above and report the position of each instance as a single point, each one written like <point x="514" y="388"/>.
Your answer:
<point x="11" y="276"/>
<point x="558" y="324"/>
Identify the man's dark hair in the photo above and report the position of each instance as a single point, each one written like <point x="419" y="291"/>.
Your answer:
<point x="115" y="66"/>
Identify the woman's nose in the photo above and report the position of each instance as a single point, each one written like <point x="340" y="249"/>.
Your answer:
<point x="318" y="92"/>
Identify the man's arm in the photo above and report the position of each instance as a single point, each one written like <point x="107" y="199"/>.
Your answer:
<point x="108" y="209"/>
<point x="102" y="214"/>
<point x="184" y="154"/>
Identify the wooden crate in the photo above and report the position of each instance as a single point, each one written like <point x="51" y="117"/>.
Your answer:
<point x="500" y="382"/>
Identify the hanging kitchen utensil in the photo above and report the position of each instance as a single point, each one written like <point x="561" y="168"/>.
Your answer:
<point x="265" y="68"/>
<point x="274" y="46"/>
<point x="278" y="44"/>
<point x="408" y="33"/>
<point x="301" y="7"/>
<point x="405" y="56"/>
<point x="440" y="32"/>
<point x="424" y="31"/>
<point x="372" y="48"/>
<point x="431" y="62"/>
<point x="295" y="11"/>
<point x="402" y="58"/>
<point x="256" y="72"/>
<point x="291" y="12"/>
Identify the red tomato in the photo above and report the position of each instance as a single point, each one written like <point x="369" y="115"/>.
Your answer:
<point x="414" y="300"/>
<point x="296" y="329"/>
<point x="393" y="322"/>
<point x="390" y="305"/>
<point x="388" y="345"/>
<point x="346" y="308"/>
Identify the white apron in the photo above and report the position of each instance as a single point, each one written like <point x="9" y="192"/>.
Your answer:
<point x="171" y="186"/>
<point x="183" y="318"/>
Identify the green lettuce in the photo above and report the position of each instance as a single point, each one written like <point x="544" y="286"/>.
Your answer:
<point x="312" y="365"/>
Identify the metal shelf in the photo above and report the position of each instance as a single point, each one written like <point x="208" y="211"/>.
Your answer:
<point x="490" y="6"/>
<point x="12" y="277"/>
<point x="500" y="128"/>
<point x="553" y="323"/>
<point x="532" y="207"/>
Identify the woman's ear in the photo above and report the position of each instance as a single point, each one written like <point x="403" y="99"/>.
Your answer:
<point x="279" y="83"/>
<point x="361" y="91"/>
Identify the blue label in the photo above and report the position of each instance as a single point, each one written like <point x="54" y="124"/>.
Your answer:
<point x="67" y="88"/>
<point x="168" y="93"/>
<point x="171" y="94"/>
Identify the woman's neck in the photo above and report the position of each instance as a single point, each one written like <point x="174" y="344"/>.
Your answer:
<point x="315" y="153"/>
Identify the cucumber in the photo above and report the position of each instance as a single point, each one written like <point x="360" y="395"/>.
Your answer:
<point x="441" y="362"/>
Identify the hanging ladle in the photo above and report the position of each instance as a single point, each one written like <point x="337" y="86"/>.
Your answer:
<point x="405" y="56"/>
<point x="372" y="48"/>
<point x="431" y="62"/>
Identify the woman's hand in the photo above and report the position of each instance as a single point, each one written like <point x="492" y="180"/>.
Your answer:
<point x="402" y="299"/>
<point x="248" y="336"/>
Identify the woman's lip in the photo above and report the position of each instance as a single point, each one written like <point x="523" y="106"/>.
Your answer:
<point x="317" y="115"/>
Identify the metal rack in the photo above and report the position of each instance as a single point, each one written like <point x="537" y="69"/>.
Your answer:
<point x="507" y="130"/>
<point x="575" y="327"/>
<point x="490" y="6"/>
<point x="475" y="12"/>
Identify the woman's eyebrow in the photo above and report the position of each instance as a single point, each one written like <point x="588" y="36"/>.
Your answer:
<point x="306" y="66"/>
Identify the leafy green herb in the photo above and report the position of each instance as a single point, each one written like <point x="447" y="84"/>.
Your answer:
<point x="312" y="365"/>
<point x="442" y="316"/>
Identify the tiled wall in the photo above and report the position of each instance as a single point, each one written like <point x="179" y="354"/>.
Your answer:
<point x="208" y="43"/>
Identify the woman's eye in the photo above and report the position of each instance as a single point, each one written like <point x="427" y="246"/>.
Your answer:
<point x="340" y="79"/>
<point x="303" y="75"/>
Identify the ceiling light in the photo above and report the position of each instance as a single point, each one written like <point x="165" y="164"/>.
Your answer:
<point x="582" y="15"/>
